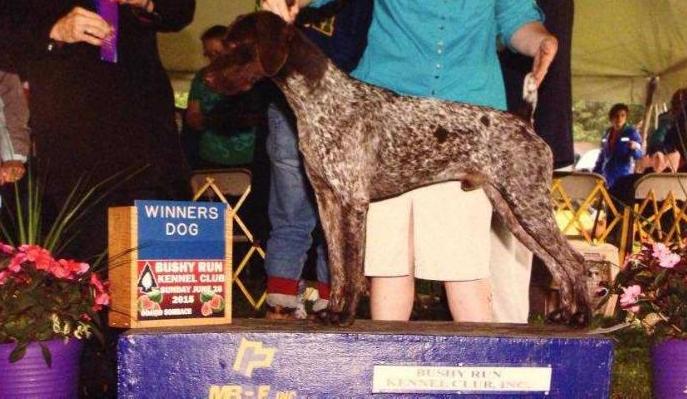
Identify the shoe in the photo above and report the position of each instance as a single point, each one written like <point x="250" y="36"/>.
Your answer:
<point x="320" y="311"/>
<point x="277" y="312"/>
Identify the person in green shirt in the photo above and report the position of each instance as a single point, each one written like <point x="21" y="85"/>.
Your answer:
<point x="219" y="130"/>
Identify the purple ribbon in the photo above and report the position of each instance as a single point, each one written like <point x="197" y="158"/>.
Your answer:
<point x="109" y="11"/>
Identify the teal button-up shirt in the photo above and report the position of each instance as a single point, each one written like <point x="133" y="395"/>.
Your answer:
<point x="442" y="48"/>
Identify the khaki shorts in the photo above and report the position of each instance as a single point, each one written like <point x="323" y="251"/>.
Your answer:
<point x="439" y="232"/>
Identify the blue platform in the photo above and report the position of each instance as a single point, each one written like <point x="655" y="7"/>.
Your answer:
<point x="288" y="360"/>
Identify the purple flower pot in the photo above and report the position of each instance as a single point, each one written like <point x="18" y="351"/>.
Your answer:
<point x="31" y="377"/>
<point x="669" y="367"/>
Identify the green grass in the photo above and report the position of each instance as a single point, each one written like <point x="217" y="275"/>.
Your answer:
<point x="631" y="377"/>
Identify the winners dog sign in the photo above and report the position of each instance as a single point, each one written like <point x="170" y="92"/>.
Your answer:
<point x="170" y="264"/>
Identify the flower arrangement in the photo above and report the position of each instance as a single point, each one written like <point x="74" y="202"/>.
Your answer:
<point x="652" y="288"/>
<point x="42" y="298"/>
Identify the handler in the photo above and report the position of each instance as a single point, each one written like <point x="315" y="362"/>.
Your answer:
<point x="446" y="50"/>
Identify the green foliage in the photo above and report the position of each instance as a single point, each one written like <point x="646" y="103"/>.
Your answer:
<point x="42" y="297"/>
<point x="590" y="119"/>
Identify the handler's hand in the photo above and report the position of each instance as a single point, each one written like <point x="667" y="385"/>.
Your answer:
<point x="11" y="171"/>
<point x="81" y="25"/>
<point x="280" y="7"/>
<point x="635" y="145"/>
<point x="548" y="47"/>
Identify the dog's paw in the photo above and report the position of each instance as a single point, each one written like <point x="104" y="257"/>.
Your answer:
<point x="581" y="319"/>
<point x="558" y="316"/>
<point x="345" y="319"/>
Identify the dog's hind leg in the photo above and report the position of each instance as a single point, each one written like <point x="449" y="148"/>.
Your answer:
<point x="354" y="223"/>
<point x="530" y="217"/>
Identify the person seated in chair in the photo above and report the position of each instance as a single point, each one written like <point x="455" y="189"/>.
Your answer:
<point x="674" y="146"/>
<point x="658" y="157"/>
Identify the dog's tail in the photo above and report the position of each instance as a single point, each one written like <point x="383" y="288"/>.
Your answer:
<point x="529" y="96"/>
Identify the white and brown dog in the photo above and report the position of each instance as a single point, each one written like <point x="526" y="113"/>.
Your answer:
<point x="361" y="143"/>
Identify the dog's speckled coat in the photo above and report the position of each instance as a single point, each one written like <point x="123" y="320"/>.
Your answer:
<point x="363" y="143"/>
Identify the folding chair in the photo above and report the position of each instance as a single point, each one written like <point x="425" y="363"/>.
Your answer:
<point x="579" y="200"/>
<point x="218" y="184"/>
<point x="659" y="209"/>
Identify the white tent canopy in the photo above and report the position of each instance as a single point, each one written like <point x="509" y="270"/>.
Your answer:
<point x="182" y="53"/>
<point x="619" y="45"/>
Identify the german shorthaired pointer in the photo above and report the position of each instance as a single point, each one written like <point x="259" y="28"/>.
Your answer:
<point x="362" y="143"/>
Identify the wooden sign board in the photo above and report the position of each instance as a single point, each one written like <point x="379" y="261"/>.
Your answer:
<point x="170" y="264"/>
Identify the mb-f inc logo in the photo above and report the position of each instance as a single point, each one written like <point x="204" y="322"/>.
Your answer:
<point x="252" y="355"/>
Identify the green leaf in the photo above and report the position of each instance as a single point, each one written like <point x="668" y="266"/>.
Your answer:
<point x="660" y="278"/>
<point x="18" y="352"/>
<point x="46" y="355"/>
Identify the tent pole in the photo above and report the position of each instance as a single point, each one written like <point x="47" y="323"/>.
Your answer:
<point x="651" y="87"/>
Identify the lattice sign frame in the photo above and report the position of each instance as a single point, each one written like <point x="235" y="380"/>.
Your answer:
<point x="256" y="301"/>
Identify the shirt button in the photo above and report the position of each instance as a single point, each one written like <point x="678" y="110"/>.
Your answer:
<point x="440" y="51"/>
<point x="438" y="66"/>
<point x="440" y="43"/>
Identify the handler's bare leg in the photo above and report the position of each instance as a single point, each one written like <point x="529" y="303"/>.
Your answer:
<point x="391" y="298"/>
<point x="511" y="266"/>
<point x="469" y="301"/>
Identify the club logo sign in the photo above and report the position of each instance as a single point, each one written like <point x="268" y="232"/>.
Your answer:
<point x="460" y="379"/>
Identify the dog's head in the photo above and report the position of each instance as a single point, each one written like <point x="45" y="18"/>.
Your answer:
<point x="255" y="46"/>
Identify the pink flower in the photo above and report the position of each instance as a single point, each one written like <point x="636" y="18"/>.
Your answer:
<point x="39" y="256"/>
<point x="666" y="257"/>
<point x="669" y="260"/>
<point x="57" y="270"/>
<point x="659" y="249"/>
<point x="102" y="296"/>
<point x="15" y="263"/>
<point x="7" y="249"/>
<point x="102" y="299"/>
<point x="96" y="283"/>
<point x="73" y="266"/>
<point x="629" y="297"/>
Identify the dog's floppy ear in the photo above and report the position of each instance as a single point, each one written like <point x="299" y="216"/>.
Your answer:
<point x="274" y="35"/>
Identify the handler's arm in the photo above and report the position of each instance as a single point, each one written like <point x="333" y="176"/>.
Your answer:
<point x="535" y="40"/>
<point x="287" y="9"/>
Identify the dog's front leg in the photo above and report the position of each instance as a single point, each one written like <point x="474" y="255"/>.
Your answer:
<point x="344" y="229"/>
<point x="331" y="216"/>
